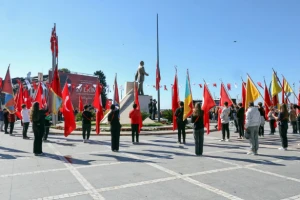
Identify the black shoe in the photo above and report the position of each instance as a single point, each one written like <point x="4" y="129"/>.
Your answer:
<point x="6" y="132"/>
<point x="184" y="142"/>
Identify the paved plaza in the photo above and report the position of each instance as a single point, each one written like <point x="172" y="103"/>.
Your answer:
<point x="157" y="168"/>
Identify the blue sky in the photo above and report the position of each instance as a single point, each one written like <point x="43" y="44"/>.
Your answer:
<point x="114" y="36"/>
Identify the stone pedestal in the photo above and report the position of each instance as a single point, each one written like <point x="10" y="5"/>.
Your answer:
<point x="127" y="103"/>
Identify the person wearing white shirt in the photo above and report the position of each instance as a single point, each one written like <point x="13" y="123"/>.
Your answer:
<point x="225" y="121"/>
<point x="25" y="113"/>
<point x="253" y="122"/>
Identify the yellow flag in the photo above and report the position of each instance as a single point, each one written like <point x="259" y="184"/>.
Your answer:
<point x="275" y="88"/>
<point x="287" y="87"/>
<point x="252" y="92"/>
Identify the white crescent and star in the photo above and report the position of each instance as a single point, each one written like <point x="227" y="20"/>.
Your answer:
<point x="66" y="107"/>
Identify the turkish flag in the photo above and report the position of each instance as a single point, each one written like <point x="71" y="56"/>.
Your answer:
<point x="165" y="88"/>
<point x="68" y="112"/>
<point x="108" y="104"/>
<point x="267" y="101"/>
<point x="224" y="97"/>
<point x="215" y="85"/>
<point x="299" y="101"/>
<point x="1" y="80"/>
<point x="80" y="107"/>
<point x="39" y="96"/>
<point x="20" y="100"/>
<point x="228" y="86"/>
<point x="243" y="94"/>
<point x="98" y="105"/>
<point x="207" y="104"/>
<point x="158" y="78"/>
<point x="175" y="100"/>
<point x="27" y="99"/>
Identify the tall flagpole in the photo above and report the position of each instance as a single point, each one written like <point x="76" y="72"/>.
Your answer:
<point x="158" y="91"/>
<point x="54" y="116"/>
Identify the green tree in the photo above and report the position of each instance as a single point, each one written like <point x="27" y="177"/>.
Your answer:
<point x="65" y="70"/>
<point x="102" y="79"/>
<point x="168" y="114"/>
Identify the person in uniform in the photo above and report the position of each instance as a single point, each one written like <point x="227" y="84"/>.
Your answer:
<point x="261" y="110"/>
<point x="86" y="123"/>
<point x="140" y="77"/>
<point x="180" y="122"/>
<point x="197" y="119"/>
<point x="154" y="109"/>
<point x="150" y="109"/>
<point x="241" y="118"/>
<point x="115" y="127"/>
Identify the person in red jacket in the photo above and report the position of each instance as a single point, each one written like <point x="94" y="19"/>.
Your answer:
<point x="11" y="120"/>
<point x="134" y="115"/>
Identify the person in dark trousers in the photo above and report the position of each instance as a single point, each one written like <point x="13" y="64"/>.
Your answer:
<point x="261" y="110"/>
<point x="180" y="122"/>
<point x="225" y="114"/>
<point x="282" y="120"/>
<point x="154" y="109"/>
<point x="115" y="127"/>
<point x="11" y="120"/>
<point x="135" y="115"/>
<point x="150" y="109"/>
<point x="5" y="115"/>
<point x="48" y="124"/>
<point x="298" y="117"/>
<point x="1" y="119"/>
<point x="86" y="123"/>
<point x="241" y="119"/>
<point x="37" y="118"/>
<point x="234" y="117"/>
<point x="197" y="119"/>
<point x="272" y="120"/>
<point x="293" y="118"/>
<point x="25" y="113"/>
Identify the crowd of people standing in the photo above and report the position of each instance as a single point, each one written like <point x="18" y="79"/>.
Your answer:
<point x="249" y="124"/>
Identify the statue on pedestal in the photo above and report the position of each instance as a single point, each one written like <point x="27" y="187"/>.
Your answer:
<point x="140" y="77"/>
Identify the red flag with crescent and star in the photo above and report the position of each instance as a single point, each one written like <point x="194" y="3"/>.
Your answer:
<point x="68" y="112"/>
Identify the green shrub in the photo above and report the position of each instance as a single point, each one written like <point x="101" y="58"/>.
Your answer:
<point x="144" y="115"/>
<point x="168" y="114"/>
<point x="79" y="116"/>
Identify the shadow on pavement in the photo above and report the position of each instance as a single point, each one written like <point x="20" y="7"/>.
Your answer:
<point x="123" y="159"/>
<point x="248" y="160"/>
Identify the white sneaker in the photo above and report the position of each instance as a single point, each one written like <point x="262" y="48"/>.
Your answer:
<point x="250" y="153"/>
<point x="222" y="140"/>
<point x="84" y="141"/>
<point x="282" y="149"/>
<point x="227" y="140"/>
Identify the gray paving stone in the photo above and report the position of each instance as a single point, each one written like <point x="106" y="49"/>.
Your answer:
<point x="169" y="190"/>
<point x="248" y="184"/>
<point x="106" y="176"/>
